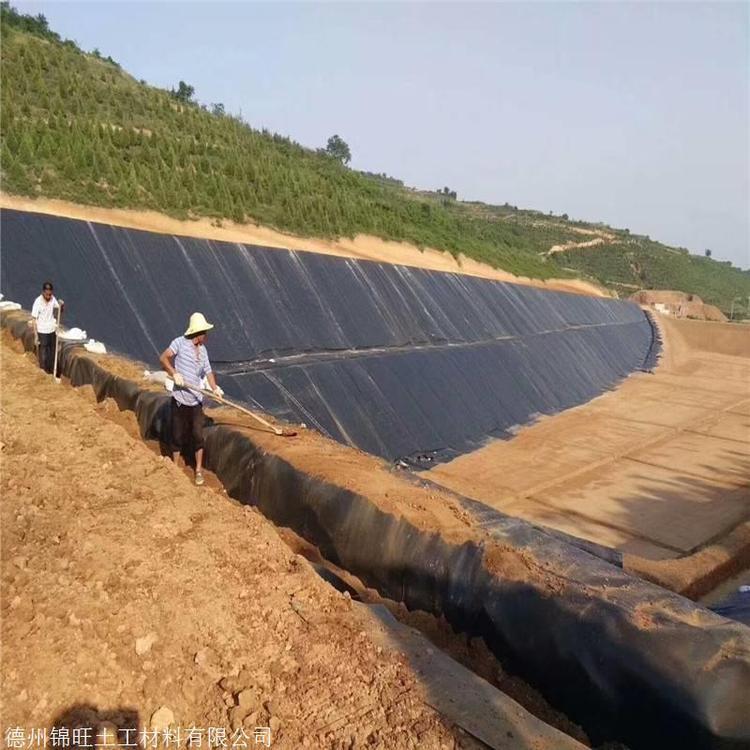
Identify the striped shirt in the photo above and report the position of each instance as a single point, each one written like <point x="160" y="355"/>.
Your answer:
<point x="192" y="363"/>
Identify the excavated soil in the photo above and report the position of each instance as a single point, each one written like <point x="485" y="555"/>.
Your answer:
<point x="128" y="592"/>
<point x="106" y="545"/>
<point x="116" y="506"/>
<point x="471" y="652"/>
<point x="680" y="304"/>
<point x="391" y="490"/>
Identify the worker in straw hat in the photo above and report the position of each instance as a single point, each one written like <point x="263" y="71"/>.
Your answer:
<point x="186" y="362"/>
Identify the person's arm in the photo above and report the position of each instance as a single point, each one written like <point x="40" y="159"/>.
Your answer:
<point x="214" y="386"/>
<point x="209" y="375"/>
<point x="60" y="305"/>
<point x="32" y="322"/>
<point x="167" y="359"/>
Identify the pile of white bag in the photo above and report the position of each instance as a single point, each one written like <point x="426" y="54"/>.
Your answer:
<point x="95" y="347"/>
<point x="74" y="334"/>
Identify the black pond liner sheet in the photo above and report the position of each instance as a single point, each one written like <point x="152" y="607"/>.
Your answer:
<point x="625" y="659"/>
<point x="736" y="606"/>
<point x="404" y="363"/>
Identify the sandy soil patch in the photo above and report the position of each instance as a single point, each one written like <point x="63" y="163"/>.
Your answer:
<point x="573" y="245"/>
<point x="362" y="246"/>
<point x="656" y="468"/>
<point x="600" y="237"/>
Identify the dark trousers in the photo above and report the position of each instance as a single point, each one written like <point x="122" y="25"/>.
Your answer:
<point x="47" y="351"/>
<point x="187" y="427"/>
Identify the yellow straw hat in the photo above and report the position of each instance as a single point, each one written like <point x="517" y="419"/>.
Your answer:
<point x="198" y="324"/>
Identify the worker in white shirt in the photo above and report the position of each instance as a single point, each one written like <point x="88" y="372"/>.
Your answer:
<point x="43" y="320"/>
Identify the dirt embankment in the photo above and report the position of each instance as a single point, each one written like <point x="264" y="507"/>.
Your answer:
<point x="128" y="593"/>
<point x="679" y="304"/>
<point x="365" y="247"/>
<point x="731" y="339"/>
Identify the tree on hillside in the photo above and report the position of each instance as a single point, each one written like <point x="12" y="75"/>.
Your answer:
<point x="218" y="109"/>
<point x="338" y="149"/>
<point x="34" y="24"/>
<point x="184" y="93"/>
<point x="707" y="253"/>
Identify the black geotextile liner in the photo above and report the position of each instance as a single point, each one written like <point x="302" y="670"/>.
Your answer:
<point x="654" y="351"/>
<point x="398" y="361"/>
<point x="444" y="400"/>
<point x="736" y="606"/>
<point x="623" y="658"/>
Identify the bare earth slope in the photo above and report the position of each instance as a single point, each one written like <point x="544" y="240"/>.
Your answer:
<point x="125" y="589"/>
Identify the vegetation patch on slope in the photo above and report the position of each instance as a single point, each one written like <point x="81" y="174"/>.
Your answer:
<point x="640" y="263"/>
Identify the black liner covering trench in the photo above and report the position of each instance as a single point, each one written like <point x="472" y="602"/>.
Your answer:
<point x="401" y="362"/>
<point x="625" y="659"/>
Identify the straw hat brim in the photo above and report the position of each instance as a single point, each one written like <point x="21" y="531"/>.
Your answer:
<point x="199" y="329"/>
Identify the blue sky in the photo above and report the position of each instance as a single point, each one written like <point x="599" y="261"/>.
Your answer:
<point x="636" y="114"/>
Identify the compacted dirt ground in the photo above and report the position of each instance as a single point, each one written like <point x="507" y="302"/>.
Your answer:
<point x="657" y="468"/>
<point x="132" y="598"/>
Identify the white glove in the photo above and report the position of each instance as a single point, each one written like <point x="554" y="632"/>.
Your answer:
<point x="218" y="392"/>
<point x="179" y="381"/>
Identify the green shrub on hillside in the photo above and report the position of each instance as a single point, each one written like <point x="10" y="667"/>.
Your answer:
<point x="36" y="25"/>
<point x="645" y="264"/>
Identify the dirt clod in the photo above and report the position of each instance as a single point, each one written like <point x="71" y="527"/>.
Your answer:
<point x="162" y="719"/>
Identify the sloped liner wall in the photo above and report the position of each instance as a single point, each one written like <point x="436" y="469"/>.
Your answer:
<point x="623" y="658"/>
<point x="401" y="362"/>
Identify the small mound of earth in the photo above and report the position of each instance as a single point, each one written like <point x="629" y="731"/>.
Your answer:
<point x="679" y="304"/>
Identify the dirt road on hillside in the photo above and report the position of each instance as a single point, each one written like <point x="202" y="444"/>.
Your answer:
<point x="131" y="597"/>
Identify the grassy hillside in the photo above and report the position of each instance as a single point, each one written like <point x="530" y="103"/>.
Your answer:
<point x="76" y="126"/>
<point x="640" y="263"/>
